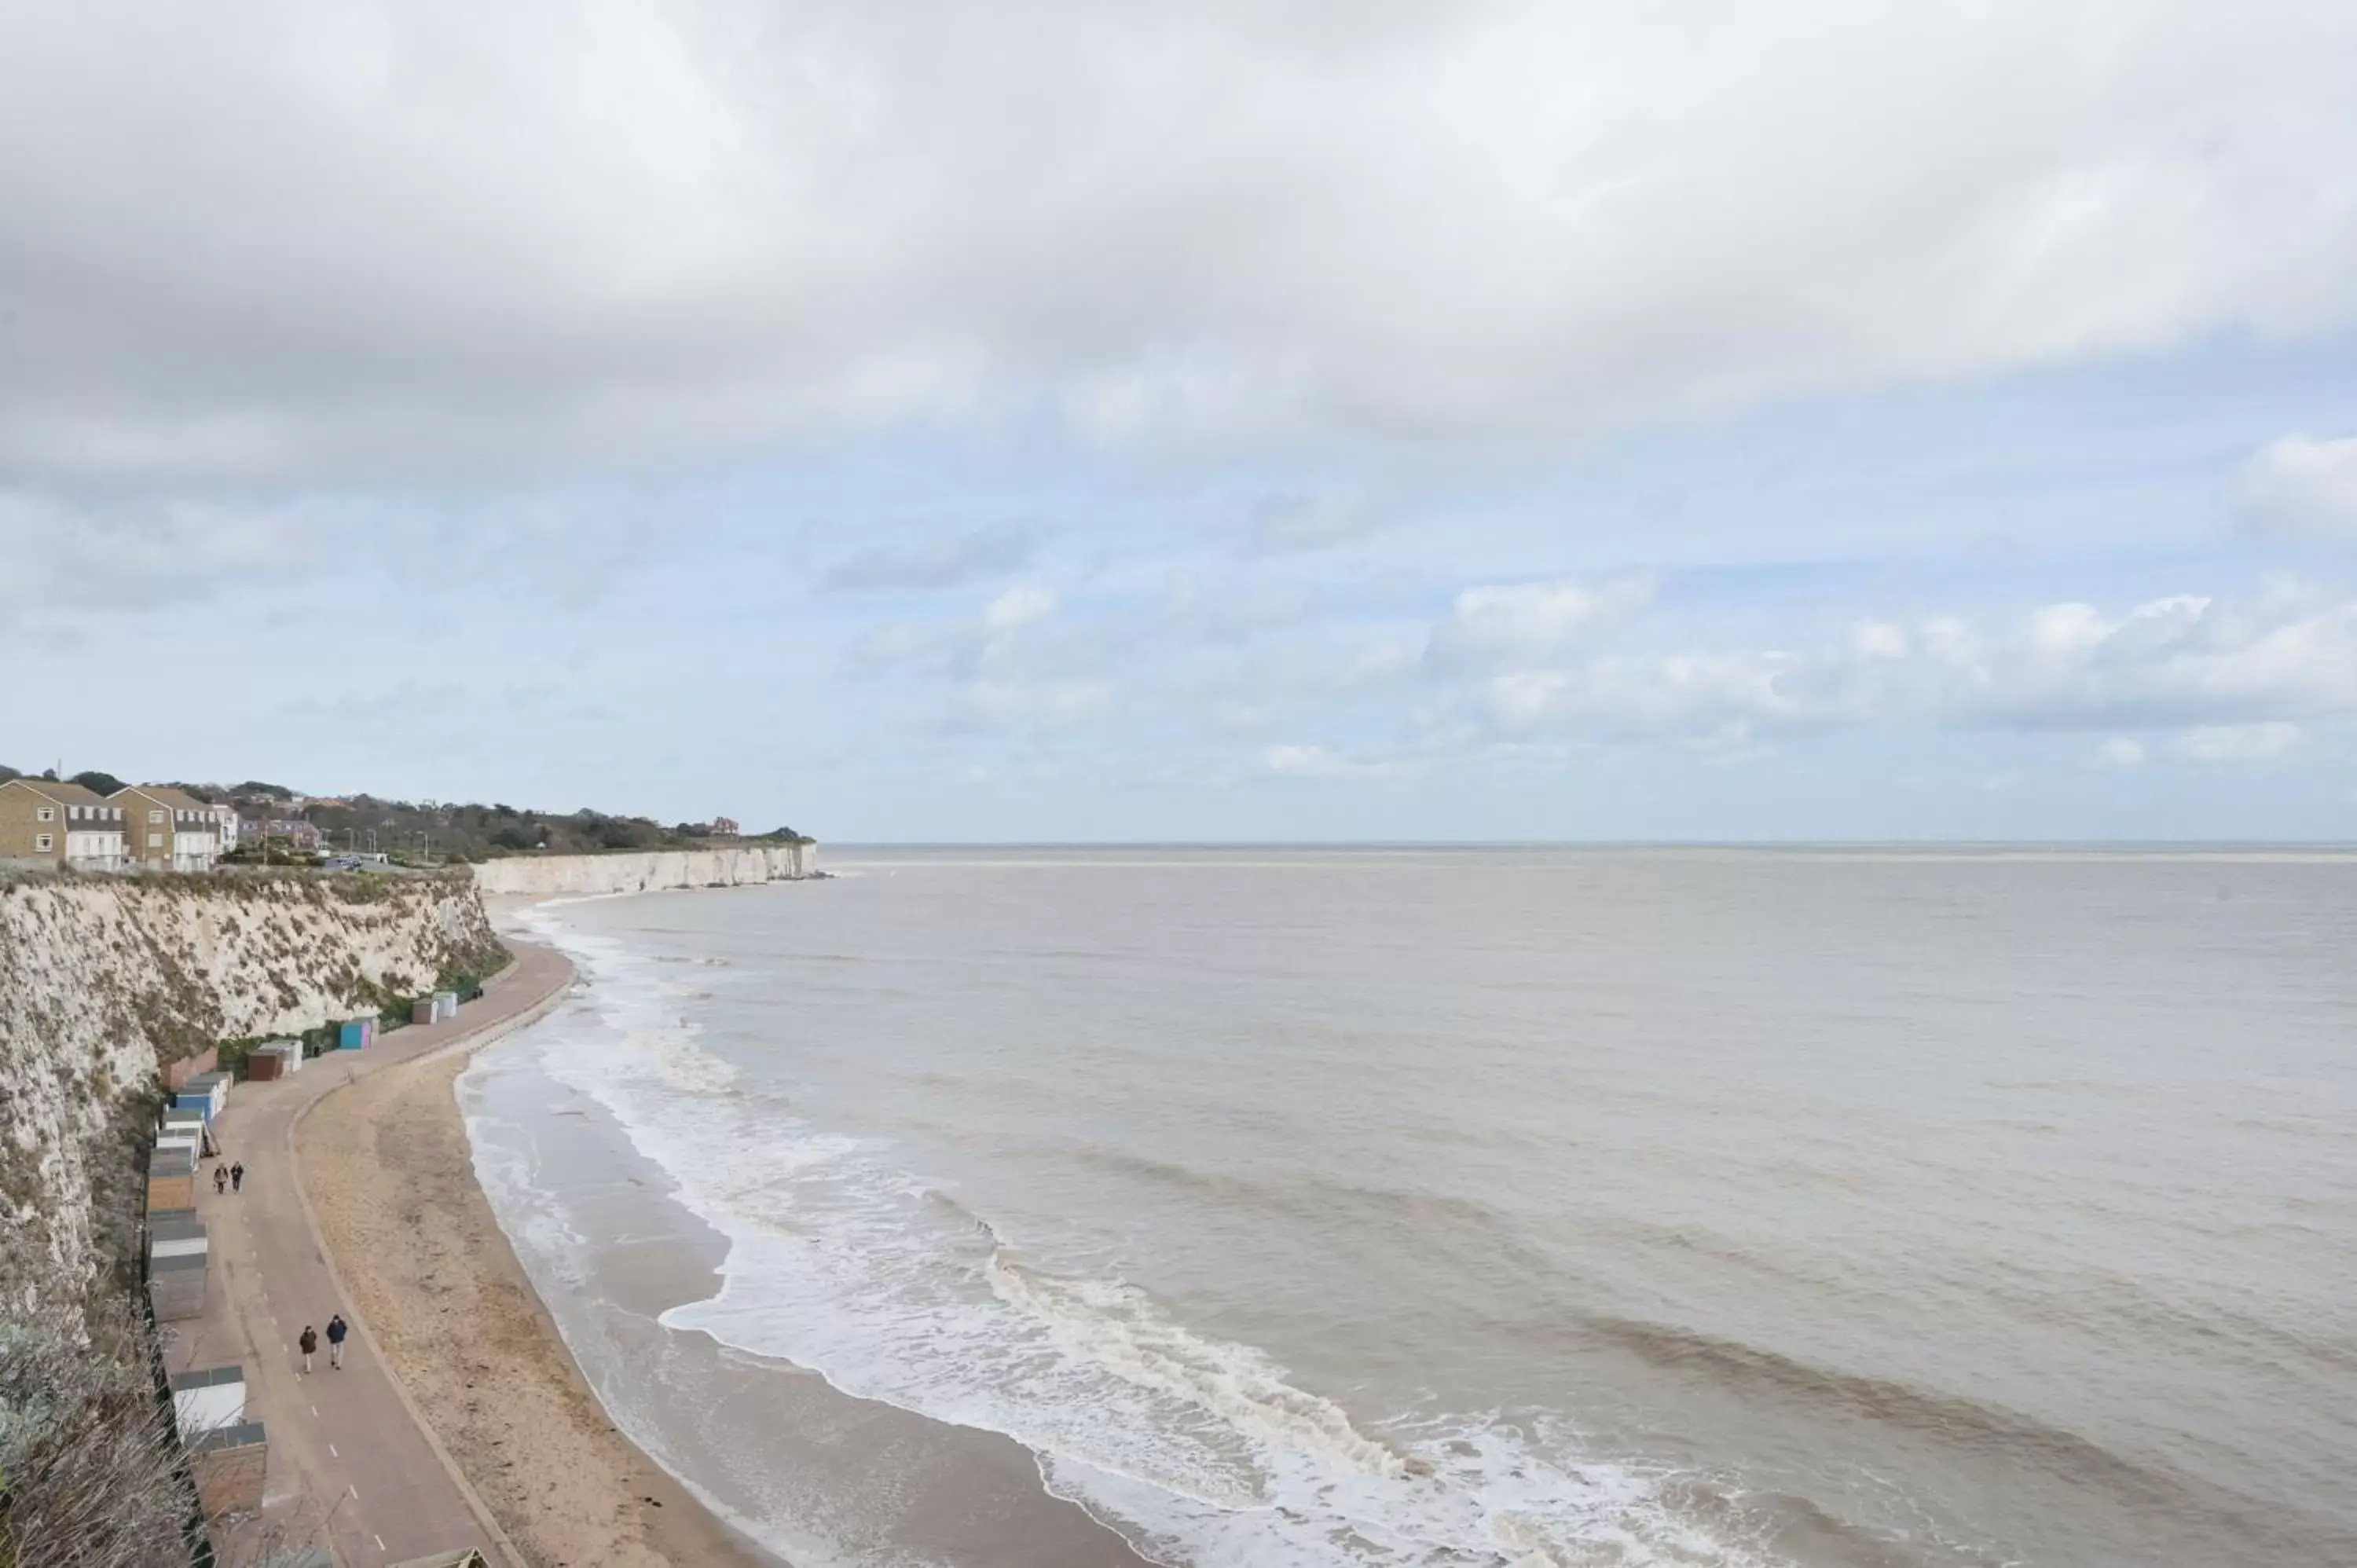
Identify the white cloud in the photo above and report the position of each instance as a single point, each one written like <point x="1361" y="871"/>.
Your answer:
<point x="1524" y="622"/>
<point x="1881" y="639"/>
<point x="1032" y="705"/>
<point x="2119" y="751"/>
<point x="386" y="238"/>
<point x="2239" y="743"/>
<point x="2302" y="487"/>
<point x="1021" y="606"/>
<point x="2185" y="660"/>
<point x="1325" y="763"/>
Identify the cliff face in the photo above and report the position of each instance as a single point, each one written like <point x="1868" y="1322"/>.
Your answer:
<point x="104" y="980"/>
<point x="586" y="875"/>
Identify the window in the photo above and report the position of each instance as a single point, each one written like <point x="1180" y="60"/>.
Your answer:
<point x="43" y="842"/>
<point x="155" y="841"/>
<point x="154" y="817"/>
<point x="46" y="815"/>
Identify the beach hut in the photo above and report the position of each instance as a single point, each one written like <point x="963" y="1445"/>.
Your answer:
<point x="206" y="1094"/>
<point x="424" y="1009"/>
<point x="356" y="1034"/>
<point x="178" y="1260"/>
<point x="171" y="1179"/>
<point x="228" y="1463"/>
<point x="188" y="1124"/>
<point x="176" y="1238"/>
<point x="278" y="1058"/>
<point x="208" y="1399"/>
<point x="446" y="1005"/>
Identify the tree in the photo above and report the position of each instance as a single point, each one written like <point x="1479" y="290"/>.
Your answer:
<point x="97" y="783"/>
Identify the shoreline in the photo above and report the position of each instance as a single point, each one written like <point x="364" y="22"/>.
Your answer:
<point x="387" y="1170"/>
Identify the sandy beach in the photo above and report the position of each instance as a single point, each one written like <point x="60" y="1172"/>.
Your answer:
<point x="391" y="1178"/>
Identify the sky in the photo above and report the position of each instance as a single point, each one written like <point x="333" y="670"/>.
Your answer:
<point x="1348" y="419"/>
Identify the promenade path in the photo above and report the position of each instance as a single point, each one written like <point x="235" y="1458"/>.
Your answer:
<point x="347" y="1448"/>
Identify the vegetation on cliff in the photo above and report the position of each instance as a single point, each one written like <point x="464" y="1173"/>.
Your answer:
<point x="485" y="833"/>
<point x="90" y="1471"/>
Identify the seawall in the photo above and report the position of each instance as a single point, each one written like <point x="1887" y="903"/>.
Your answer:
<point x="576" y="875"/>
<point x="104" y="980"/>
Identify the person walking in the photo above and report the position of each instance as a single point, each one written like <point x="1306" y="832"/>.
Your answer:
<point x="307" y="1344"/>
<point x="237" y="1176"/>
<point x="221" y="1180"/>
<point x="336" y="1332"/>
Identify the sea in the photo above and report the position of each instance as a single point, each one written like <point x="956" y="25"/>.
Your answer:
<point x="1498" y="1207"/>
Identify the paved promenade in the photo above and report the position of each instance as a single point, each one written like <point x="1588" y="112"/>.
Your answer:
<point x="346" y="1448"/>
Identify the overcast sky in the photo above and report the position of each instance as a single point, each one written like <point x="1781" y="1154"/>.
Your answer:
<point x="1047" y="420"/>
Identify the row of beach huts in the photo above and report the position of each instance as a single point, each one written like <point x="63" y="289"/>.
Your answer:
<point x="228" y="1454"/>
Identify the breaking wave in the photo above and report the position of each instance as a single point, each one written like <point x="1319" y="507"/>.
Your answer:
<point x="1199" y="1450"/>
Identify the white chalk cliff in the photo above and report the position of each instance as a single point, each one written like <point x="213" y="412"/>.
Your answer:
<point x="102" y="980"/>
<point x="583" y="875"/>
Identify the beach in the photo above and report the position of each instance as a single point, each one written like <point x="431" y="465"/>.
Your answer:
<point x="391" y="1179"/>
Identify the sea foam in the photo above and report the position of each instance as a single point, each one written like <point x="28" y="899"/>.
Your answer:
<point x="1200" y="1450"/>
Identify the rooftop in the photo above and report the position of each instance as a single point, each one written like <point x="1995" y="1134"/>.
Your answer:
<point x="62" y="793"/>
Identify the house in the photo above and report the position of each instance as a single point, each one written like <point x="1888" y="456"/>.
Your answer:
<point x="44" y="823"/>
<point x="724" y="827"/>
<point x="284" y="832"/>
<point x="168" y="829"/>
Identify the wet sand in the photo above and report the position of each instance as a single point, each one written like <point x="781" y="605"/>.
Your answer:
<point x="391" y="1178"/>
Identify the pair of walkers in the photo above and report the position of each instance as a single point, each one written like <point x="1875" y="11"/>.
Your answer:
<point x="309" y="1342"/>
<point x="229" y="1178"/>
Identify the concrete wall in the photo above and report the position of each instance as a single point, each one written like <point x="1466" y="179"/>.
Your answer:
<point x="577" y="875"/>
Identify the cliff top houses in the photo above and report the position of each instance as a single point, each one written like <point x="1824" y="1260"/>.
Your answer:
<point x="141" y="827"/>
<point x="45" y="822"/>
<point x="169" y="829"/>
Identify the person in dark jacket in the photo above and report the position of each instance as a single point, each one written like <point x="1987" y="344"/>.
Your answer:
<point x="237" y="1176"/>
<point x="309" y="1342"/>
<point x="336" y="1332"/>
